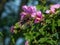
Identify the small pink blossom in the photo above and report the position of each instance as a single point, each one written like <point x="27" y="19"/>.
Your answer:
<point x="38" y="17"/>
<point x="25" y="8"/>
<point x="29" y="9"/>
<point x="26" y="43"/>
<point x="52" y="10"/>
<point x="47" y="11"/>
<point x="33" y="15"/>
<point x="23" y="14"/>
<point x="56" y="6"/>
<point x="12" y="29"/>
<point x="39" y="14"/>
<point x="37" y="20"/>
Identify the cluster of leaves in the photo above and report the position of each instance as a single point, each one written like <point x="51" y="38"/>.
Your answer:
<point x="43" y="33"/>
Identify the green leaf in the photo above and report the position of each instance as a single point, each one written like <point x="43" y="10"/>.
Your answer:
<point x="41" y="30"/>
<point x="58" y="22"/>
<point x="33" y="27"/>
<point x="38" y="7"/>
<point x="52" y="42"/>
<point x="53" y="25"/>
<point x="48" y="21"/>
<point x="17" y="25"/>
<point x="1" y="34"/>
<point x="43" y="40"/>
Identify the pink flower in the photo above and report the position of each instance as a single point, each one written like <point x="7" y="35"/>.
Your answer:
<point x="23" y="14"/>
<point x="26" y="43"/>
<point x="56" y="6"/>
<point x="39" y="14"/>
<point x="47" y="11"/>
<point x="12" y="29"/>
<point x="33" y="15"/>
<point x="37" y="20"/>
<point x="32" y="11"/>
<point x="52" y="10"/>
<point x="38" y="17"/>
<point x="25" y="8"/>
<point x="29" y="9"/>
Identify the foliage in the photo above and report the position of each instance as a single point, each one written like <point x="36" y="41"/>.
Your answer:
<point x="45" y="32"/>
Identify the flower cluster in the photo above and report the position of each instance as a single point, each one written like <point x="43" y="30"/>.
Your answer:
<point x="53" y="8"/>
<point x="44" y="31"/>
<point x="31" y="11"/>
